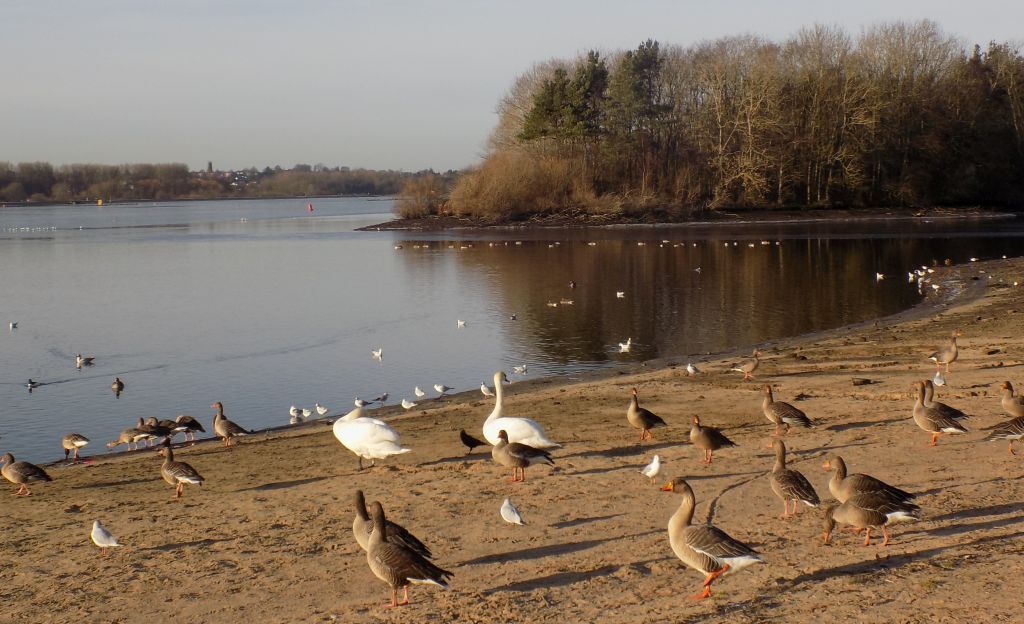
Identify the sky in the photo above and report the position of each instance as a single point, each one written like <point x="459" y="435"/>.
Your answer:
<point x="378" y="84"/>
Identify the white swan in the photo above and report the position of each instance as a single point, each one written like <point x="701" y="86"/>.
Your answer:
<point x="522" y="430"/>
<point x="368" y="438"/>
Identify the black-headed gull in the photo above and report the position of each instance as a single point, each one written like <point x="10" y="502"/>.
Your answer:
<point x="102" y="537"/>
<point x="485" y="390"/>
<point x="441" y="389"/>
<point x="419" y="393"/>
<point x="652" y="469"/>
<point x="407" y="404"/>
<point x="510" y="514"/>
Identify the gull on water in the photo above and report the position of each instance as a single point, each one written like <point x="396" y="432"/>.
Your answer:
<point x="519" y="370"/>
<point x="460" y="323"/>
<point x="510" y="514"/>
<point x="624" y="347"/>
<point x="378" y="353"/>
<point x="621" y="294"/>
<point x="320" y="409"/>
<point x="13" y="325"/>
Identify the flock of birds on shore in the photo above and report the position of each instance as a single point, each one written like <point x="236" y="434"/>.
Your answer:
<point x="399" y="559"/>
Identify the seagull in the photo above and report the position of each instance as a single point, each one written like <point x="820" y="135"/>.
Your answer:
<point x="83" y="361"/>
<point x="486" y="390"/>
<point x="621" y="294"/>
<point x="691" y="370"/>
<point x="13" y="325"/>
<point x="652" y="469"/>
<point x="697" y="270"/>
<point x="32" y="385"/>
<point x="441" y="388"/>
<point x="320" y="409"/>
<point x="102" y="537"/>
<point x="624" y="347"/>
<point x="879" y="277"/>
<point x="519" y="370"/>
<point x="460" y="323"/>
<point x="510" y="513"/>
<point x="306" y="413"/>
<point x="381" y="399"/>
<point x="419" y="393"/>
<point x="296" y="415"/>
<point x="939" y="380"/>
<point x="407" y="404"/>
<point x="512" y="317"/>
<point x="361" y="403"/>
<point x="378" y="353"/>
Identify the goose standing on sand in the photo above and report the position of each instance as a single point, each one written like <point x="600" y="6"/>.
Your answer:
<point x="129" y="436"/>
<point x="869" y="511"/>
<point x="843" y="485"/>
<point x="948" y="353"/>
<point x="1012" y="429"/>
<point x="102" y="537"/>
<point x="188" y="426"/>
<point x="362" y="528"/>
<point x="946" y="410"/>
<point x="396" y="565"/>
<point x="522" y="430"/>
<point x="517" y="456"/>
<point x="21" y="473"/>
<point x="224" y="428"/>
<point x="932" y="420"/>
<point x="790" y="485"/>
<point x="781" y="413"/>
<point x="642" y="419"/>
<point x="747" y="367"/>
<point x="708" y="439"/>
<point x="1013" y="404"/>
<point x="705" y="548"/>
<point x="367" y="437"/>
<point x="73" y="442"/>
<point x="178" y="473"/>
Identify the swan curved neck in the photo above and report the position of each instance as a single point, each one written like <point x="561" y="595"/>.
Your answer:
<point x="499" y="398"/>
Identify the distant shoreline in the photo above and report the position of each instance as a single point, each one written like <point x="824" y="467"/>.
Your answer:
<point x="129" y="202"/>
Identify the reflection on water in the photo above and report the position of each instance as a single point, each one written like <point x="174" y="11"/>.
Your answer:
<point x="283" y="308"/>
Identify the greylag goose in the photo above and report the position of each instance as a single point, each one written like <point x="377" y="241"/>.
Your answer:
<point x="117" y="386"/>
<point x="843" y="485"/>
<point x="102" y="537"/>
<point x="362" y="528"/>
<point x="161" y="429"/>
<point x="708" y="439"/>
<point x="1012" y="429"/>
<point x="868" y="511"/>
<point x="21" y="473"/>
<point x="948" y="353"/>
<point x="930" y="402"/>
<point x="1014" y="405"/>
<point x="522" y="430"/>
<point x="188" y="426"/>
<point x="790" y="485"/>
<point x="705" y="548"/>
<point x="396" y="565"/>
<point x="510" y="514"/>
<point x="129" y="436"/>
<point x="224" y="428"/>
<point x="932" y="420"/>
<point x="642" y="419"/>
<point x="782" y="413"/>
<point x="83" y="361"/>
<point x="517" y="456"/>
<point x="73" y="442"/>
<point x="747" y="367"/>
<point x="178" y="473"/>
<point x="469" y="441"/>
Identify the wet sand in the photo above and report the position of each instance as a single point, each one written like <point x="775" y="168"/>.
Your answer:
<point x="268" y="537"/>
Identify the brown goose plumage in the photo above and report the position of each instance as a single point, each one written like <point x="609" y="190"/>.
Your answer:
<point x="517" y="456"/>
<point x="843" y="485"/>
<point x="178" y="473"/>
<point x="1014" y="405"/>
<point x="708" y="439"/>
<point x="1012" y="429"/>
<point x="188" y="426"/>
<point x="71" y="443"/>
<point x="129" y="436"/>
<point x="932" y="420"/>
<point x="224" y="428"/>
<point x="790" y="485"/>
<point x="642" y="419"/>
<point x="747" y="367"/>
<point x="868" y="511"/>
<point x="21" y="473"/>
<point x="362" y="528"/>
<point x="396" y="565"/>
<point x="946" y="410"/>
<point x="705" y="548"/>
<point x="782" y="413"/>
<point x="948" y="353"/>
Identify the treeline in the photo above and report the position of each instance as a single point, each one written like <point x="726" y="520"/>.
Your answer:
<point x="901" y="114"/>
<point x="42" y="182"/>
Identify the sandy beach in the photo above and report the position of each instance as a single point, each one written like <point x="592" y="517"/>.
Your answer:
<point x="268" y="537"/>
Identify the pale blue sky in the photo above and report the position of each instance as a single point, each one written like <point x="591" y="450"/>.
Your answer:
<point x="379" y="84"/>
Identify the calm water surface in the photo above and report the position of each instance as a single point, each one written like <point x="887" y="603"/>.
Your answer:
<point x="262" y="305"/>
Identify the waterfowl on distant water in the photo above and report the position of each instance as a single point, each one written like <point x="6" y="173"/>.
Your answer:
<point x="396" y="565"/>
<point x="642" y="419"/>
<point x="117" y="386"/>
<point x="83" y="361"/>
<point x="523" y="430"/>
<point x="933" y="420"/>
<point x="782" y="413"/>
<point x="747" y="367"/>
<point x="790" y="485"/>
<point x="868" y="511"/>
<point x="705" y="548"/>
<point x="21" y="473"/>
<point x="843" y="485"/>
<point x="708" y="439"/>
<point x="362" y="528"/>
<point x="224" y="428"/>
<point x="73" y="442"/>
<point x="518" y="456"/>
<point x="178" y="473"/>
<point x="948" y="353"/>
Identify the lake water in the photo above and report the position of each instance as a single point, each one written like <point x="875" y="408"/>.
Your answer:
<point x="263" y="305"/>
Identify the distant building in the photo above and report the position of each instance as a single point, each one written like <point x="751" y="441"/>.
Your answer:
<point x="209" y="166"/>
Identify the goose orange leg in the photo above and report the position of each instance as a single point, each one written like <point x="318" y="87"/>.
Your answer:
<point x="867" y="536"/>
<point x="1011" y="448"/>
<point x="707" y="583"/>
<point x="935" y="438"/>
<point x="405" y="599"/>
<point x="885" y="542"/>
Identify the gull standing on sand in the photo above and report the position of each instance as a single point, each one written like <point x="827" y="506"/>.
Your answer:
<point x="442" y="389"/>
<point x="691" y="370"/>
<point x="652" y="469"/>
<point x="102" y="537"/>
<point x="361" y="403"/>
<point x="419" y="393"/>
<point x="382" y="398"/>
<point x="407" y="404"/>
<point x="510" y="514"/>
<point x="320" y="409"/>
<point x="485" y="390"/>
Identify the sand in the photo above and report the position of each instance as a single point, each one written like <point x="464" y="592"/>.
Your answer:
<point x="268" y="537"/>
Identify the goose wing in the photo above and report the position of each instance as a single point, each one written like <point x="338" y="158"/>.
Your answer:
<point x="784" y="412"/>
<point x="793" y="484"/>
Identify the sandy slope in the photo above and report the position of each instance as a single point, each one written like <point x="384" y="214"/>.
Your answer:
<point x="268" y="538"/>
